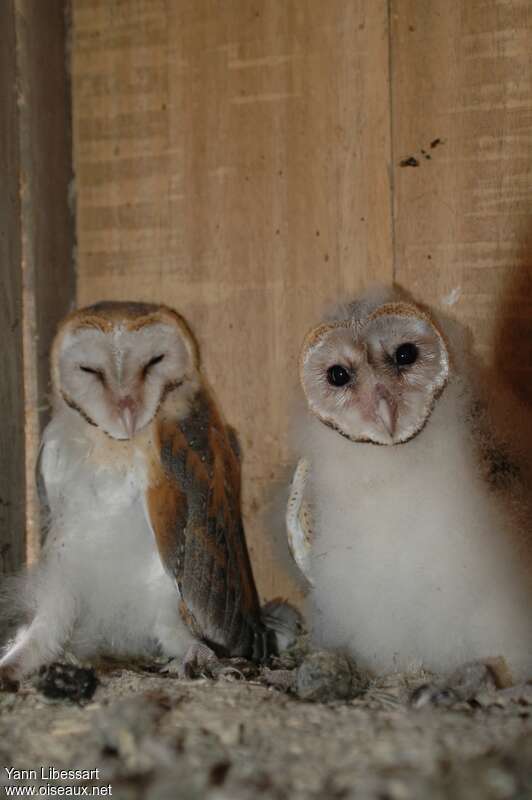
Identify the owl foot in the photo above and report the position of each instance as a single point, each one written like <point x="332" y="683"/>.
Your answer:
<point x="463" y="684"/>
<point x="197" y="661"/>
<point x="201" y="662"/>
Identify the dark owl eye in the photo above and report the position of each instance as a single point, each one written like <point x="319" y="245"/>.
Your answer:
<point x="338" y="375"/>
<point x="406" y="354"/>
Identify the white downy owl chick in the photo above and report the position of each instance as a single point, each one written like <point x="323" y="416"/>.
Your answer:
<point x="410" y="508"/>
<point x="145" y="552"/>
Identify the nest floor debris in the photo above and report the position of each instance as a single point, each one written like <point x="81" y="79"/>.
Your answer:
<point x="237" y="738"/>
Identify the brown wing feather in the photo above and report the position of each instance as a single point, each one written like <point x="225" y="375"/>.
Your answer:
<point x="194" y="506"/>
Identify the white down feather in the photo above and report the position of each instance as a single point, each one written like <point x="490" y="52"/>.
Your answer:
<point x="415" y="561"/>
<point x="100" y="587"/>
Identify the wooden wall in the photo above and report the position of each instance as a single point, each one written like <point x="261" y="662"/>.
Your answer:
<point x="35" y="248"/>
<point x="462" y="72"/>
<point x="251" y="161"/>
<point x="12" y="471"/>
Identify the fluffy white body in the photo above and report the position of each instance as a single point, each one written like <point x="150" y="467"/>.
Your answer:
<point x="413" y="562"/>
<point x="420" y="551"/>
<point x="100" y="587"/>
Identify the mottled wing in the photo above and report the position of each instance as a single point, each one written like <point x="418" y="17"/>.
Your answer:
<point x="42" y="494"/>
<point x="299" y="520"/>
<point x="194" y="508"/>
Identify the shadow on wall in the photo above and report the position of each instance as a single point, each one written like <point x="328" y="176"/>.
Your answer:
<point x="513" y="336"/>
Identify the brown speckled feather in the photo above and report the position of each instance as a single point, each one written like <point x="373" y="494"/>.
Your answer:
<point x="194" y="506"/>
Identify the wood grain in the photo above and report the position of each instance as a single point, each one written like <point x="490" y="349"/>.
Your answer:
<point x="46" y="228"/>
<point x="12" y="471"/>
<point x="462" y="74"/>
<point x="232" y="161"/>
<point x="35" y="249"/>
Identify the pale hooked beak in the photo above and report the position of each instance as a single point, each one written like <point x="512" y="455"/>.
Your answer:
<point x="128" y="414"/>
<point x="386" y="409"/>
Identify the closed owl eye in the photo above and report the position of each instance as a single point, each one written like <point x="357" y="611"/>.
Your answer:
<point x="152" y="362"/>
<point x="93" y="371"/>
<point x="338" y="375"/>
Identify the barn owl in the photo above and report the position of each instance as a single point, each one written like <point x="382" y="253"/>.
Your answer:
<point x="145" y="552"/>
<point x="409" y="512"/>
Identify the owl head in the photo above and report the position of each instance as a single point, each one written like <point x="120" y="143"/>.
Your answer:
<point x="374" y="372"/>
<point x="114" y="363"/>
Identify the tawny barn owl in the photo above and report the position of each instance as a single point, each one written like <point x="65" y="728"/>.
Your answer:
<point x="410" y="507"/>
<point x="145" y="551"/>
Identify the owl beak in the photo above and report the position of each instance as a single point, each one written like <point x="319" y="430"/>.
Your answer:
<point x="386" y="410"/>
<point x="128" y="415"/>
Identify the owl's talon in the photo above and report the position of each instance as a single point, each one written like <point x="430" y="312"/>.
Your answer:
<point x="198" y="658"/>
<point x="173" y="667"/>
<point x="462" y="685"/>
<point x="433" y="694"/>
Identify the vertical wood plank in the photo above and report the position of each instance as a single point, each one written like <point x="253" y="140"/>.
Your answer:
<point x="35" y="248"/>
<point x="12" y="471"/>
<point x="462" y="74"/>
<point x="46" y="221"/>
<point x="232" y="161"/>
<point x="46" y="147"/>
